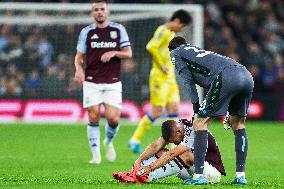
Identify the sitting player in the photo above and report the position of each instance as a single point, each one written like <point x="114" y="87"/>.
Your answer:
<point x="156" y="162"/>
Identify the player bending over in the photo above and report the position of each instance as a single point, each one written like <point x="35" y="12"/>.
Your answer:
<point x="156" y="162"/>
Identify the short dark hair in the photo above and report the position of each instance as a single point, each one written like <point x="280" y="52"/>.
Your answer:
<point x="166" y="129"/>
<point x="99" y="1"/>
<point x="182" y="15"/>
<point x="176" y="42"/>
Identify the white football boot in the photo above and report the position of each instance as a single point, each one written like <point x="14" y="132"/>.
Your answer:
<point x="110" y="152"/>
<point x="96" y="159"/>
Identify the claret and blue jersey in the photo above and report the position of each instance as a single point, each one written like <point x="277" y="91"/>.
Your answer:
<point x="94" y="42"/>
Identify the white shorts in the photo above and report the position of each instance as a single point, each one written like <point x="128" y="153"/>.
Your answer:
<point x="211" y="174"/>
<point x="95" y="94"/>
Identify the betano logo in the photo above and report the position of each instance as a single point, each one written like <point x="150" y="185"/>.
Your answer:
<point x="103" y="44"/>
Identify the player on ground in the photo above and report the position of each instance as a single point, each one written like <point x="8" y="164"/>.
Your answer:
<point x="103" y="44"/>
<point x="163" y="87"/>
<point x="230" y="89"/>
<point x="157" y="163"/>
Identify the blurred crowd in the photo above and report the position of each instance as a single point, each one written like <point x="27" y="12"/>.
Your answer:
<point x="37" y="63"/>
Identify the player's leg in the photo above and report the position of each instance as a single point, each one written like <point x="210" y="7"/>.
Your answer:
<point x="215" y="104"/>
<point x="158" y="95"/>
<point x="93" y="133"/>
<point x="178" y="166"/>
<point x="92" y="98"/>
<point x="238" y="110"/>
<point x="200" y="145"/>
<point x="173" y="100"/>
<point x="112" y="99"/>
<point x="111" y="128"/>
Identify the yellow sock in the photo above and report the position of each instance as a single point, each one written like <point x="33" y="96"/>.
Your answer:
<point x="143" y="127"/>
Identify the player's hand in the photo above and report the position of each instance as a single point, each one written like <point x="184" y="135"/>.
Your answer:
<point x="144" y="170"/>
<point x="165" y="70"/>
<point x="107" y="56"/>
<point x="79" y="76"/>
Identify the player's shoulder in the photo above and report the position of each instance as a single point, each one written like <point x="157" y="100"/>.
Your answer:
<point x="89" y="27"/>
<point x="163" y="30"/>
<point x="116" y="25"/>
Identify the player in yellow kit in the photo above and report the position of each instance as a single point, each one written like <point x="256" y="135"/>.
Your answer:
<point x="164" y="90"/>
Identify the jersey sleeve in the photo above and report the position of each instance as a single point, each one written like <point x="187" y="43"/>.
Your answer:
<point x="124" y="39"/>
<point x="81" y="45"/>
<point x="186" y="76"/>
<point x="155" y="42"/>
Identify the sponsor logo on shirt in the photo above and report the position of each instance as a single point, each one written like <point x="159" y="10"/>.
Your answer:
<point x="103" y="44"/>
<point x="95" y="36"/>
<point x="113" y="34"/>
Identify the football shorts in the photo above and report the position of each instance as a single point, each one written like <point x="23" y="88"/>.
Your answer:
<point x="230" y="91"/>
<point x="98" y="93"/>
<point x="163" y="91"/>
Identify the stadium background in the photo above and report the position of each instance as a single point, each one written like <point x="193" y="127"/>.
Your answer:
<point x="37" y="62"/>
<point x="36" y="77"/>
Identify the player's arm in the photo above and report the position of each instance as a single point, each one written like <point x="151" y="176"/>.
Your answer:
<point x="124" y="53"/>
<point x="151" y="150"/>
<point x="79" y="69"/>
<point x="79" y="58"/>
<point x="153" y="48"/>
<point x="165" y="158"/>
<point x="187" y="78"/>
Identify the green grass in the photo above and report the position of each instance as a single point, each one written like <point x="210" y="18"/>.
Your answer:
<point x="56" y="156"/>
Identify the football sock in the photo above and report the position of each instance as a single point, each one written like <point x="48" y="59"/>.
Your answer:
<point x="173" y="167"/>
<point x="241" y="148"/>
<point x="143" y="127"/>
<point x="173" y="117"/>
<point x="200" y="146"/>
<point x="93" y="133"/>
<point x="111" y="131"/>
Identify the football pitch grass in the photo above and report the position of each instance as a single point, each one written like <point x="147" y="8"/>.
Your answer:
<point x="56" y="156"/>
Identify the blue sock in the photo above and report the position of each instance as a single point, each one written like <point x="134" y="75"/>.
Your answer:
<point x="93" y="133"/>
<point x="173" y="116"/>
<point x="111" y="131"/>
<point x="241" y="148"/>
<point x="200" y="147"/>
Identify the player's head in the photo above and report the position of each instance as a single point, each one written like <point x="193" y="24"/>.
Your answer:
<point x="100" y="11"/>
<point x="179" y="20"/>
<point x="176" y="42"/>
<point x="172" y="131"/>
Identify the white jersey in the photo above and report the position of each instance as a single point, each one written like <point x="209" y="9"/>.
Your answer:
<point x="188" y="139"/>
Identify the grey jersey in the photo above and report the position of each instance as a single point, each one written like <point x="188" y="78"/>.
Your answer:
<point x="197" y="66"/>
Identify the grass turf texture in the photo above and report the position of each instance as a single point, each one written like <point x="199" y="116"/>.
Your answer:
<point x="56" y="156"/>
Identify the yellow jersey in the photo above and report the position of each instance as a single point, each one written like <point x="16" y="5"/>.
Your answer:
<point x="158" y="48"/>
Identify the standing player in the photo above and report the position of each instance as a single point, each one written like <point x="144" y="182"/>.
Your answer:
<point x="103" y="44"/>
<point x="157" y="163"/>
<point x="230" y="89"/>
<point x="163" y="87"/>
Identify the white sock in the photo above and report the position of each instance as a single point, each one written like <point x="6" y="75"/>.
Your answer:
<point x="240" y="174"/>
<point x="110" y="133"/>
<point x="93" y="133"/>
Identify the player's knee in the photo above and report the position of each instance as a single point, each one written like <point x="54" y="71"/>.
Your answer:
<point x="200" y="124"/>
<point x="93" y="116"/>
<point x="114" y="121"/>
<point x="237" y="122"/>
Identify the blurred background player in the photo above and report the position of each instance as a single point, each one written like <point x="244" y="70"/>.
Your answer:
<point x="230" y="87"/>
<point x="164" y="90"/>
<point x="156" y="162"/>
<point x="103" y="43"/>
